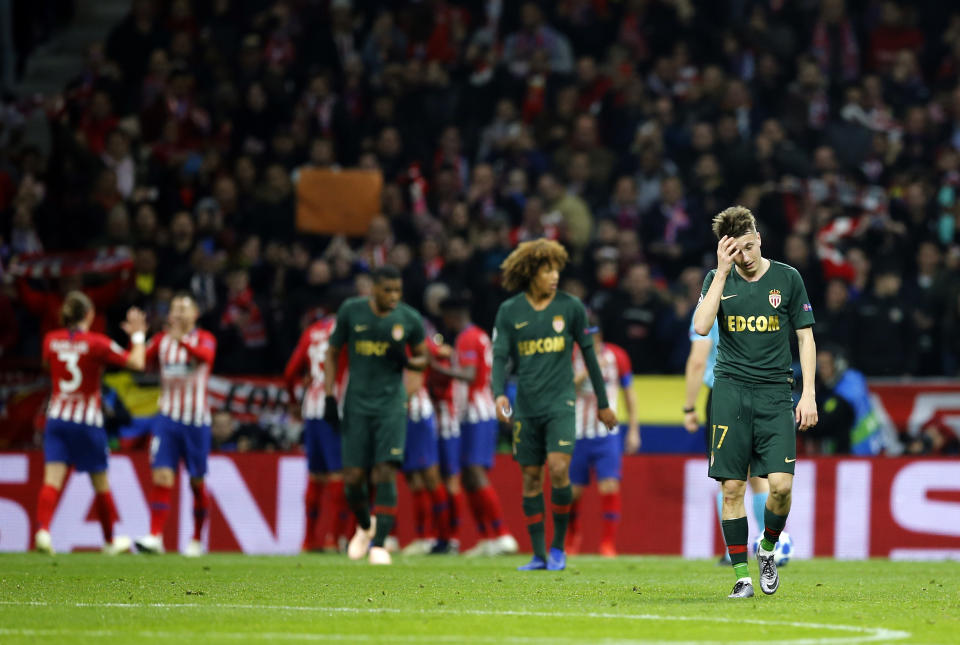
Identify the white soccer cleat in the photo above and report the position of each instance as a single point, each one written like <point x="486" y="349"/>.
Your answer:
<point x="379" y="555"/>
<point x="360" y="542"/>
<point x="481" y="549"/>
<point x="421" y="546"/>
<point x="120" y="544"/>
<point x="150" y="544"/>
<point x="505" y="545"/>
<point x="391" y="544"/>
<point x="194" y="549"/>
<point x="43" y="543"/>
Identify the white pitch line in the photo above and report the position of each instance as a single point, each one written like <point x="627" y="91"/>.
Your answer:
<point x="862" y="634"/>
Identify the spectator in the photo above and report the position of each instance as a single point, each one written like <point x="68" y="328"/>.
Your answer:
<point x="675" y="229"/>
<point x="635" y="319"/>
<point x="882" y="320"/>
<point x="536" y="35"/>
<point x="568" y="211"/>
<point x="243" y="327"/>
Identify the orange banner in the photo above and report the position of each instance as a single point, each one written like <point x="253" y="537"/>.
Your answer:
<point x="337" y="201"/>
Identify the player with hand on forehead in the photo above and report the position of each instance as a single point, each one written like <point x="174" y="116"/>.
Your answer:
<point x="757" y="304"/>
<point x="536" y="330"/>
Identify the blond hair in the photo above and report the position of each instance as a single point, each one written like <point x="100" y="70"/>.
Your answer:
<point x="734" y="222"/>
<point x="75" y="308"/>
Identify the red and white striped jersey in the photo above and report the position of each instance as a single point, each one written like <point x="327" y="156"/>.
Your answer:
<point x="76" y="360"/>
<point x="310" y="353"/>
<point x="447" y="422"/>
<point x="185" y="366"/>
<point x="475" y="400"/>
<point x="588" y="426"/>
<point x="420" y="407"/>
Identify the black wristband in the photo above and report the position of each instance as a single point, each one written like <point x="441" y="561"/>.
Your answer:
<point x="689" y="410"/>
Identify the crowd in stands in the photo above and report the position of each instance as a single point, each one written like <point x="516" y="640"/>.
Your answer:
<point x="618" y="127"/>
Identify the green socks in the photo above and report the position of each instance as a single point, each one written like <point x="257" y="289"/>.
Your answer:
<point x="358" y="502"/>
<point x="533" y="509"/>
<point x="560" y="500"/>
<point x="385" y="508"/>
<point x="735" y="535"/>
<point x="772" y="527"/>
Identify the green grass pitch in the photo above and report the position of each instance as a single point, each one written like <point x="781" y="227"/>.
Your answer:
<point x="87" y="598"/>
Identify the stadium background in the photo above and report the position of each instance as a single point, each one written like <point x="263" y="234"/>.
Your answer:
<point x="189" y="148"/>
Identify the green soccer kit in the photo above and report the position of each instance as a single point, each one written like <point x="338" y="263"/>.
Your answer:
<point x="374" y="410"/>
<point x="540" y="345"/>
<point x="752" y="420"/>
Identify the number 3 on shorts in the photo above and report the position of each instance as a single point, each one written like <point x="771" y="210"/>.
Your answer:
<point x="722" y="435"/>
<point x="516" y="435"/>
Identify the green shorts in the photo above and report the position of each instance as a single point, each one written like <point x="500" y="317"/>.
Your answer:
<point x="534" y="437"/>
<point x="752" y="428"/>
<point x="368" y="439"/>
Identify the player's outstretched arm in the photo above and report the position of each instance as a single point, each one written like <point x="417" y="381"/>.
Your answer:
<point x="293" y="370"/>
<point x="706" y="311"/>
<point x="331" y="414"/>
<point x="633" y="418"/>
<point x="204" y="351"/>
<point x="807" y="407"/>
<point x="418" y="357"/>
<point x="136" y="328"/>
<point x="693" y="380"/>
<point x="498" y="373"/>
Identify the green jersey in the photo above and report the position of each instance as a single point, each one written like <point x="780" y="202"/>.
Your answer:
<point x="755" y="321"/>
<point x="540" y="344"/>
<point x="376" y="376"/>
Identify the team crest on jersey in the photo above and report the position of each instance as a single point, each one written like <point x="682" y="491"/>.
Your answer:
<point x="397" y="332"/>
<point x="774" y="298"/>
<point x="558" y="324"/>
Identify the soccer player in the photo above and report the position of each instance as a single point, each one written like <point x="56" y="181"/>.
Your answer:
<point x="376" y="332"/>
<point x="422" y="471"/>
<point x="475" y="410"/>
<point x="699" y="372"/>
<point x="74" y="434"/>
<point x="757" y="303"/>
<point x="598" y="448"/>
<point x="536" y="329"/>
<point x="184" y="355"/>
<point x="324" y="461"/>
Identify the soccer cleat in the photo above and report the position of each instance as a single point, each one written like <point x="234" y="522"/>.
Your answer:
<point x="194" y="549"/>
<point x="420" y="546"/>
<point x="482" y="548"/>
<point x="120" y="544"/>
<point x="360" y="542"/>
<point x="43" y="543"/>
<point x="608" y="549"/>
<point x="536" y="564"/>
<point x="329" y="544"/>
<point x="743" y="589"/>
<point x="149" y="544"/>
<point x="391" y="544"/>
<point x="442" y="547"/>
<point x="504" y="545"/>
<point x="379" y="555"/>
<point x="556" y="560"/>
<point x="769" y="578"/>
